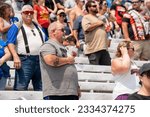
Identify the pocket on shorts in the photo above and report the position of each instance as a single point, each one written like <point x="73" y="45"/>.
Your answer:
<point x="92" y="57"/>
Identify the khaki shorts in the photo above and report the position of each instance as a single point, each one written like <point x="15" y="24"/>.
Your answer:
<point x="142" y="50"/>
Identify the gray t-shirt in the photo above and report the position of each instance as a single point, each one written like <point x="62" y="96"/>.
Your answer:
<point x="61" y="80"/>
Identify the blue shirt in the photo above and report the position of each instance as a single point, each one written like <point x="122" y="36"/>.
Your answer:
<point x="109" y="3"/>
<point x="4" y="69"/>
<point x="12" y="34"/>
<point x="13" y="20"/>
<point x="2" y="46"/>
<point x="67" y="29"/>
<point x="78" y="26"/>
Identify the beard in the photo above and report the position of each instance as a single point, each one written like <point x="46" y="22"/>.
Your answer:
<point x="95" y="11"/>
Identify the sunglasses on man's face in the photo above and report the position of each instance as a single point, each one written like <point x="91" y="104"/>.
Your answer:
<point x="135" y="2"/>
<point x="130" y="48"/>
<point x="28" y="12"/>
<point x="62" y="15"/>
<point x="93" y="6"/>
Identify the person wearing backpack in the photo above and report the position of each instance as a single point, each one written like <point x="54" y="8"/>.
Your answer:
<point x="24" y="41"/>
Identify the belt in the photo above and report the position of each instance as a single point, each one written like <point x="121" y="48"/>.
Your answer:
<point x="21" y="55"/>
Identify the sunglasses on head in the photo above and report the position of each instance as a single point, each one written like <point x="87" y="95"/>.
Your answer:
<point x="93" y="6"/>
<point x="28" y="12"/>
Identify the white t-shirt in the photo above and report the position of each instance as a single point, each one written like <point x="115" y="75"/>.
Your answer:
<point x="34" y="41"/>
<point x="126" y="83"/>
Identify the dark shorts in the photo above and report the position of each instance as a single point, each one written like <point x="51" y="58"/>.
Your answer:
<point x="101" y="57"/>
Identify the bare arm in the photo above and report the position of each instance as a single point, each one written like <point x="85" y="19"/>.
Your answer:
<point x="2" y="28"/>
<point x="112" y="12"/>
<point x="17" y="62"/>
<point x="56" y="61"/>
<point x="111" y="18"/>
<point x="112" y="15"/>
<point x="69" y="24"/>
<point x="6" y="56"/>
<point x="125" y="30"/>
<point x="55" y="7"/>
<point x="72" y="16"/>
<point x="59" y="6"/>
<point x="75" y="33"/>
<point x="120" y="66"/>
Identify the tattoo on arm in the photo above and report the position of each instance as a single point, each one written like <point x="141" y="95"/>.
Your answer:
<point x="56" y="62"/>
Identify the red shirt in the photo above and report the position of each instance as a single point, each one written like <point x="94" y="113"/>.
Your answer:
<point x="42" y="15"/>
<point x="120" y="10"/>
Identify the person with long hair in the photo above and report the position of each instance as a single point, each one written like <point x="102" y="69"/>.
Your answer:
<point x="124" y="71"/>
<point x="5" y="12"/>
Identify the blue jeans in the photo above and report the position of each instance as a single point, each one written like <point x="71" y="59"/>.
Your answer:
<point x="30" y="70"/>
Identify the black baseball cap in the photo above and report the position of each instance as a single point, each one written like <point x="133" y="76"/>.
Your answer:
<point x="145" y="67"/>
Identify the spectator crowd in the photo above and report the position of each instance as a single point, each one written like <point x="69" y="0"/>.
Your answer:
<point x="43" y="37"/>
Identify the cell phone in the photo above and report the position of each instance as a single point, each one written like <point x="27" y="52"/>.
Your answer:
<point x="134" y="71"/>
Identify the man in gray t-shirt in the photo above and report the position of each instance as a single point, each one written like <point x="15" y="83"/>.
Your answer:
<point x="59" y="75"/>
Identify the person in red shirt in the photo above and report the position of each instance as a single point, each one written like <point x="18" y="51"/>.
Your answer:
<point x="117" y="10"/>
<point x="41" y="14"/>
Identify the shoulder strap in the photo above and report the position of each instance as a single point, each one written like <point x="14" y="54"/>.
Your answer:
<point x="39" y="31"/>
<point x="20" y="26"/>
<point x="25" y="39"/>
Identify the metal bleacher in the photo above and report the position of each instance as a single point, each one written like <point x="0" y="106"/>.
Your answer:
<point x="96" y="81"/>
